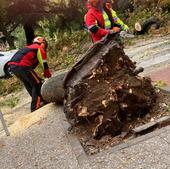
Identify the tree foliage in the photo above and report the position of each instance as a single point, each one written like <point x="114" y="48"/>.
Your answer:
<point x="7" y="27"/>
<point x="28" y="12"/>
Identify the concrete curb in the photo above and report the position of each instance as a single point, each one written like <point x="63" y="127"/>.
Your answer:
<point x="132" y="142"/>
<point x="165" y="89"/>
<point x="75" y="143"/>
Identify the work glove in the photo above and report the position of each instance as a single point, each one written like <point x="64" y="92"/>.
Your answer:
<point x="47" y="73"/>
<point x="115" y="30"/>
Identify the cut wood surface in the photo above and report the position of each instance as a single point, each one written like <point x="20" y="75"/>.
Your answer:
<point x="52" y="89"/>
<point x="147" y="25"/>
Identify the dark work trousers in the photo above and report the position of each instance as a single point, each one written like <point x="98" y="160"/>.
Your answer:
<point x="31" y="82"/>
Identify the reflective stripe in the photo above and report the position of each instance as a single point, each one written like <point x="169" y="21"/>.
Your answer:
<point x="107" y="22"/>
<point x="35" y="77"/>
<point x="91" y="26"/>
<point x="39" y="56"/>
<point x="44" y="61"/>
<point x="115" y="19"/>
<point x="38" y="102"/>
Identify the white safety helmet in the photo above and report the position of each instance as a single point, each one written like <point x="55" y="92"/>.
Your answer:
<point x="40" y="40"/>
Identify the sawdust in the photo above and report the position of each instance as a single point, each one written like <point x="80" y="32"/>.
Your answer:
<point x="35" y="118"/>
<point x="2" y="144"/>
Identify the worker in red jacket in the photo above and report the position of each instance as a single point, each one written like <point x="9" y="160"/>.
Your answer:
<point x="101" y="19"/>
<point x="23" y="64"/>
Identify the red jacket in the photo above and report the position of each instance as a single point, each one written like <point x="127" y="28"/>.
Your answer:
<point x="29" y="56"/>
<point x="95" y="23"/>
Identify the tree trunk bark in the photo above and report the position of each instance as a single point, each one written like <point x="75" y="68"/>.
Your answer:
<point x="9" y="39"/>
<point x="29" y="33"/>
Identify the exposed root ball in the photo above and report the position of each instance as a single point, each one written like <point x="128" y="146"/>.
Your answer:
<point x="103" y="89"/>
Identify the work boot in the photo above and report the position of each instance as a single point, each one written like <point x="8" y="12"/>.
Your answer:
<point x="138" y="70"/>
<point x="43" y="103"/>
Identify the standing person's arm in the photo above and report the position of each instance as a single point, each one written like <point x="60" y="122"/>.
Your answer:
<point x="118" y="21"/>
<point x="42" y="58"/>
<point x="93" y="26"/>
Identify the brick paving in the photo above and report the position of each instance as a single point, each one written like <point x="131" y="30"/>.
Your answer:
<point x="163" y="75"/>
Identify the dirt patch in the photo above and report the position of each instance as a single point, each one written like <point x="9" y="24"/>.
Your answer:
<point x="93" y="146"/>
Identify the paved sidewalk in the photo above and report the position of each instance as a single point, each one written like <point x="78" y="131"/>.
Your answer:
<point x="47" y="145"/>
<point x="43" y="146"/>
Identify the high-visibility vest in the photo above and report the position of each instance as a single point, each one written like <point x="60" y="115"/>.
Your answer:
<point x="107" y="22"/>
<point x="118" y="21"/>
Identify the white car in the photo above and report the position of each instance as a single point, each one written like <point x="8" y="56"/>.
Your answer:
<point x="5" y="57"/>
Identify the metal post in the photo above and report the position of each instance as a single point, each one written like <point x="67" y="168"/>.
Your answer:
<point x="4" y="124"/>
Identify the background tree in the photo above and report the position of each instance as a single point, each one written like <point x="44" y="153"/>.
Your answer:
<point x="28" y="13"/>
<point x="7" y="27"/>
<point x="65" y="14"/>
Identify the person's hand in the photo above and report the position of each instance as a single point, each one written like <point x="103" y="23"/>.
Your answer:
<point x="47" y="73"/>
<point x="116" y="29"/>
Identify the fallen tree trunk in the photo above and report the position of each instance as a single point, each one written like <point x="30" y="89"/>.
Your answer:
<point x="52" y="89"/>
<point x="149" y="24"/>
<point x="102" y="91"/>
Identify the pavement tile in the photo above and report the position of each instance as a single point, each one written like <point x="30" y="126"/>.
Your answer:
<point x="157" y="145"/>
<point x="167" y="128"/>
<point x="54" y="150"/>
<point x="131" y="157"/>
<point x="166" y="136"/>
<point x="17" y="154"/>
<point x="44" y="146"/>
<point x="107" y="161"/>
<point x="146" y="154"/>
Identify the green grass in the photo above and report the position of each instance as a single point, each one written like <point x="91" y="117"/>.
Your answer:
<point x="168" y="110"/>
<point x="12" y="102"/>
<point x="10" y="85"/>
<point x="65" y="48"/>
<point x="169" y="42"/>
<point x="160" y="84"/>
